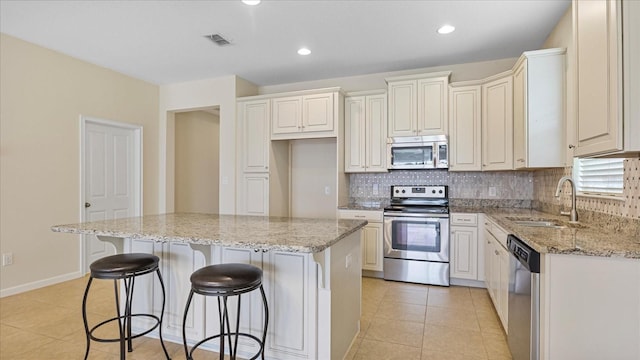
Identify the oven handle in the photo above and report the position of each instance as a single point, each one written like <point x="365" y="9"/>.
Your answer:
<point x="414" y="215"/>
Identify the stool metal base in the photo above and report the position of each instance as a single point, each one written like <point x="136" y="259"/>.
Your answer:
<point x="224" y="321"/>
<point x="124" y="321"/>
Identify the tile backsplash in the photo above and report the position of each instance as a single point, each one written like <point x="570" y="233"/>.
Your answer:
<point x="508" y="185"/>
<point x="628" y="206"/>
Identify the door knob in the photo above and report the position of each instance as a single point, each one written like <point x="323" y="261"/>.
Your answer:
<point x="87" y="204"/>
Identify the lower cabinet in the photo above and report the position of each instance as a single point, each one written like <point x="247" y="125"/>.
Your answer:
<point x="372" y="237"/>
<point x="467" y="261"/>
<point x="496" y="259"/>
<point x="254" y="198"/>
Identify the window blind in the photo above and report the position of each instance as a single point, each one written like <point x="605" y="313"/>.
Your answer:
<point x="599" y="176"/>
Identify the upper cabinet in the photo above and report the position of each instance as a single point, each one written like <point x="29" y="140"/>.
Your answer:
<point x="497" y="122"/>
<point x="418" y="104"/>
<point x="254" y="118"/>
<point x="365" y="132"/>
<point x="465" y="111"/>
<point x="309" y="115"/>
<point x="538" y="109"/>
<point x="606" y="38"/>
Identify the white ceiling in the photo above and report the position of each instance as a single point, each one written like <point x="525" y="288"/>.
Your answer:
<point x="164" y="41"/>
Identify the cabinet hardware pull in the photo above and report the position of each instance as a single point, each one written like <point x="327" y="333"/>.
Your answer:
<point x="256" y="250"/>
<point x="571" y="146"/>
<point x="87" y="204"/>
<point x="496" y="251"/>
<point x="264" y="250"/>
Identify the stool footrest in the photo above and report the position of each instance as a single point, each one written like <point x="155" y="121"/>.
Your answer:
<point x="133" y="336"/>
<point x="232" y="334"/>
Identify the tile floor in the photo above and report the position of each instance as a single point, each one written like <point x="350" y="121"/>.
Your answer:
<point x="399" y="321"/>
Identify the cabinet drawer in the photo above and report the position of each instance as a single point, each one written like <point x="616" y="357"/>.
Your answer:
<point x="369" y="215"/>
<point x="464" y="219"/>
<point x="499" y="233"/>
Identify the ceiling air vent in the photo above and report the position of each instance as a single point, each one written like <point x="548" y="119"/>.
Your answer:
<point x="218" y="39"/>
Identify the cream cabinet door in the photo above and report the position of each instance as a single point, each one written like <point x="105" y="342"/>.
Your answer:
<point x="599" y="95"/>
<point x="286" y="115"/>
<point x="372" y="247"/>
<point x="403" y="108"/>
<point x="355" y="134"/>
<point x="464" y="252"/>
<point x="465" y="147"/>
<point x="256" y="194"/>
<point x="290" y="293"/>
<point x="520" y="115"/>
<point x="376" y="133"/>
<point x="317" y="114"/>
<point x="432" y="106"/>
<point x="503" y="285"/>
<point x="256" y="119"/>
<point x="497" y="128"/>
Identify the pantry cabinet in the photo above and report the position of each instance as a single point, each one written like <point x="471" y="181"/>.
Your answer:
<point x="254" y="119"/>
<point x="311" y="115"/>
<point x="418" y="104"/>
<point x="465" y="114"/>
<point x="366" y="132"/>
<point x="254" y="195"/>
<point x="371" y="237"/>
<point x="608" y="81"/>
<point x="497" y="122"/>
<point x="538" y="109"/>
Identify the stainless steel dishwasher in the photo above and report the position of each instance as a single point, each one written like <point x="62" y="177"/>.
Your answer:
<point x="524" y="300"/>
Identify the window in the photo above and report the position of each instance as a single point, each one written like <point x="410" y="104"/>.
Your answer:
<point x="598" y="176"/>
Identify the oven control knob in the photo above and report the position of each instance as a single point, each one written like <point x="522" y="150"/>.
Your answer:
<point x="440" y="191"/>
<point x="433" y="191"/>
<point x="403" y="191"/>
<point x="397" y="191"/>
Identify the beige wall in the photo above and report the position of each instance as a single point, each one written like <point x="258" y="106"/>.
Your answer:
<point x="460" y="72"/>
<point x="197" y="137"/>
<point x="42" y="95"/>
<point x="195" y="95"/>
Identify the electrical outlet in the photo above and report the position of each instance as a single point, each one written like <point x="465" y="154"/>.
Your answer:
<point x="492" y="191"/>
<point x="348" y="261"/>
<point x="7" y="259"/>
<point x="327" y="190"/>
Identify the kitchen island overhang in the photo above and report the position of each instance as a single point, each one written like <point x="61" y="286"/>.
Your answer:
<point x="311" y="274"/>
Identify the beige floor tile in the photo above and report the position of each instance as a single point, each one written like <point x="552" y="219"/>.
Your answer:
<point x="372" y="349"/>
<point x="451" y="355"/>
<point x="370" y="306"/>
<point x="412" y="296"/>
<point x="396" y="285"/>
<point x="395" y="331"/>
<point x="455" y="290"/>
<point x="481" y="299"/>
<point x="489" y="322"/>
<point x="351" y="354"/>
<point x="454" y="299"/>
<point x="11" y="306"/>
<point x="452" y="317"/>
<point x="401" y="311"/>
<point x="17" y="341"/>
<point x="496" y="346"/>
<point x="448" y="340"/>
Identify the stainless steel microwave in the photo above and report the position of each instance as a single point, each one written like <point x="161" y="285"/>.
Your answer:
<point x="417" y="152"/>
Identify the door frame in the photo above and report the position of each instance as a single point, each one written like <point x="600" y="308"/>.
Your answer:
<point x="136" y="131"/>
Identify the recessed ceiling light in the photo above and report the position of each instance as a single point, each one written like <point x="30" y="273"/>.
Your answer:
<point x="304" y="51"/>
<point x="251" y="2"/>
<point x="446" y="29"/>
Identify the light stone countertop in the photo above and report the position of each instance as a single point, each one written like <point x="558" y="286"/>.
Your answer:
<point x="586" y="239"/>
<point x="257" y="232"/>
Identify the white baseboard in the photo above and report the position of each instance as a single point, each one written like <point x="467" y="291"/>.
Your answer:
<point x="40" y="283"/>
<point x="465" y="282"/>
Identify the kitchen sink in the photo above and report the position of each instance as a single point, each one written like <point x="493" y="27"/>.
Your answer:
<point x="538" y="223"/>
<point x="542" y="222"/>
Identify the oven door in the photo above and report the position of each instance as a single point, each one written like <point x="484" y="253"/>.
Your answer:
<point x="416" y="237"/>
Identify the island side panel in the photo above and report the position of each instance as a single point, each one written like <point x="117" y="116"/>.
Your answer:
<point x="345" y="294"/>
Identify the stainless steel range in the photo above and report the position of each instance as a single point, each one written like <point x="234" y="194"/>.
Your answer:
<point x="416" y="235"/>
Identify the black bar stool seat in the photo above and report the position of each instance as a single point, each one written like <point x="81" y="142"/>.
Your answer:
<point x="222" y="281"/>
<point x="124" y="267"/>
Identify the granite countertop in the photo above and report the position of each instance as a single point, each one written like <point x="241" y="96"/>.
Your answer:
<point x="582" y="239"/>
<point x="259" y="232"/>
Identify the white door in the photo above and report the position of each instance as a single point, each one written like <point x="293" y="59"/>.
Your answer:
<point x="111" y="168"/>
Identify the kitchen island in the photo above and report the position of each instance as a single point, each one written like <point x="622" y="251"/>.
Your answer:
<point x="311" y="275"/>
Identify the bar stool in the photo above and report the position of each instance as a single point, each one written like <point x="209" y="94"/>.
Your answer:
<point x="124" y="267"/>
<point x="222" y="281"/>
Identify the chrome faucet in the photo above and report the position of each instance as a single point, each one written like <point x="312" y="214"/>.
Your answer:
<point x="574" y="213"/>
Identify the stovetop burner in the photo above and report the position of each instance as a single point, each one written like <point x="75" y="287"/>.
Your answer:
<point x="430" y="199"/>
